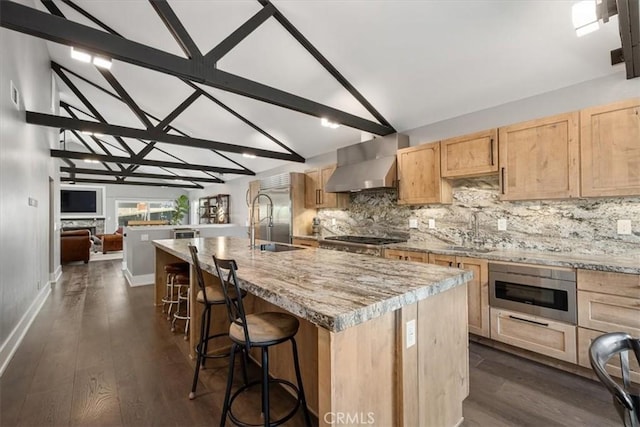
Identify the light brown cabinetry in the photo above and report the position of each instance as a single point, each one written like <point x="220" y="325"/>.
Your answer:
<point x="305" y="242"/>
<point x="607" y="302"/>
<point x="419" y="176"/>
<point x="477" y="289"/>
<point x="610" y="149"/>
<point x="539" y="158"/>
<point x="403" y="255"/>
<point x="538" y="334"/>
<point x="316" y="197"/>
<point x="470" y="155"/>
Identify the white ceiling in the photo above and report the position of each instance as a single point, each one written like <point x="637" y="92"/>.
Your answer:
<point x="417" y="62"/>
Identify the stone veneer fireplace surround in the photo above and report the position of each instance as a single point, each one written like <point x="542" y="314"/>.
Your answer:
<point x="96" y="224"/>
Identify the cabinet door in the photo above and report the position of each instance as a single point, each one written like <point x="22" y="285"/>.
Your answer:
<point x="585" y="338"/>
<point x="609" y="313"/>
<point x="539" y="159"/>
<point x="405" y="255"/>
<point x="610" y="149"/>
<point x="327" y="200"/>
<point x="312" y="188"/>
<point x="477" y="294"/>
<point x="538" y="334"/>
<point x="470" y="155"/>
<point x="443" y="260"/>
<point x="419" y="176"/>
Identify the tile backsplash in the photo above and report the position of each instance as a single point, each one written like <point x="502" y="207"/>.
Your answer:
<point x="582" y="225"/>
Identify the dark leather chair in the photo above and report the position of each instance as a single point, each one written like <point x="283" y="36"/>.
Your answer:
<point x="75" y="246"/>
<point x="111" y="242"/>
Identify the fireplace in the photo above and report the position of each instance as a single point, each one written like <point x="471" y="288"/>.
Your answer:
<point x="92" y="230"/>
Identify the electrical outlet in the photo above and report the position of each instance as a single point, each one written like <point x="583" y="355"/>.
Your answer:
<point x="624" y="226"/>
<point x="413" y="223"/>
<point x="502" y="224"/>
<point x="33" y="202"/>
<point x="333" y="221"/>
<point x="144" y="237"/>
<point x="432" y="224"/>
<point x="411" y="333"/>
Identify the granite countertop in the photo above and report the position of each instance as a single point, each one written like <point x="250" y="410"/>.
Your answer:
<point x="611" y="263"/>
<point x="331" y="289"/>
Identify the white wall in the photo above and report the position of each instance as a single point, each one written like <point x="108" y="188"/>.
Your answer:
<point x="25" y="168"/>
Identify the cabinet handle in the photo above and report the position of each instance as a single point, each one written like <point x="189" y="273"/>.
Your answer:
<point x="459" y="265"/>
<point x="450" y="263"/>
<point x="502" y="180"/>
<point x="317" y="197"/>
<point x="321" y="196"/>
<point x="406" y="258"/>
<point x="546" y="325"/>
<point x="492" y="160"/>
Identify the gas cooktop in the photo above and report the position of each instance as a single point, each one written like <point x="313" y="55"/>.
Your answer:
<point x="365" y="240"/>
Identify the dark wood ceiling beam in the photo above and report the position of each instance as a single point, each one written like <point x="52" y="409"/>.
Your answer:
<point x="65" y="154"/>
<point x="120" y="182"/>
<point x="90" y="17"/>
<point x="231" y="41"/>
<point x="85" y="171"/>
<point x="46" y="26"/>
<point x="177" y="111"/>
<point x="176" y="28"/>
<point x="326" y="64"/>
<point x="126" y="98"/>
<point x="240" y="117"/>
<point x="85" y="101"/>
<point x="123" y="131"/>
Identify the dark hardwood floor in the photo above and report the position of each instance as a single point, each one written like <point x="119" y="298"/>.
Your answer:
<point x="99" y="353"/>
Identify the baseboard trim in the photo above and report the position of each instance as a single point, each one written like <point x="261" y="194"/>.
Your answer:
<point x="56" y="275"/>
<point x="11" y="344"/>
<point x="140" y="280"/>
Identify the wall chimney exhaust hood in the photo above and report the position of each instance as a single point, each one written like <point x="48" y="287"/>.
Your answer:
<point x="369" y="164"/>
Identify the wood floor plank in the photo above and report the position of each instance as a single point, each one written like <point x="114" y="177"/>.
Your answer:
<point x="100" y="353"/>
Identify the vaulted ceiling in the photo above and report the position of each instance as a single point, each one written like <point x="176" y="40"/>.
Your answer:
<point x="197" y="85"/>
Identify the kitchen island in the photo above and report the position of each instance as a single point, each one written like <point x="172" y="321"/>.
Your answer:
<point x="381" y="342"/>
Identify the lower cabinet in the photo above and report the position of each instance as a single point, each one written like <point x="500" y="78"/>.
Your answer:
<point x="538" y="334"/>
<point x="305" y="242"/>
<point x="477" y="289"/>
<point x="585" y="338"/>
<point x="403" y="255"/>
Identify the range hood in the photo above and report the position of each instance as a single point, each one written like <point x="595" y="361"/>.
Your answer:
<point x="369" y="164"/>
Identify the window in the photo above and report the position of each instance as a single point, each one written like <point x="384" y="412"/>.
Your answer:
<point x="143" y="210"/>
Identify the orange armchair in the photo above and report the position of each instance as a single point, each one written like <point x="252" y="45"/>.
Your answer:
<point x="111" y="242"/>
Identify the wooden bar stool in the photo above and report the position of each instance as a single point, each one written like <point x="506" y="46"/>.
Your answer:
<point x="260" y="330"/>
<point x="209" y="296"/>
<point x="181" y="285"/>
<point x="170" y="271"/>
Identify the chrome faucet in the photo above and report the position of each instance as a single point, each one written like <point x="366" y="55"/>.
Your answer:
<point x="252" y="225"/>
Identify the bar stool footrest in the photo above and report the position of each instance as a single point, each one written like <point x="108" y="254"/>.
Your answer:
<point x="274" y="423"/>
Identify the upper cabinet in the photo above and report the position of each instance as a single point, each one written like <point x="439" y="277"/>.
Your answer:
<point x="470" y="155"/>
<point x="316" y="197"/>
<point x="419" y="176"/>
<point x="610" y="149"/>
<point x="539" y="159"/>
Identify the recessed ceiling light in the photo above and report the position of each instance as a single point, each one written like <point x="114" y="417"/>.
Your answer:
<point x="86" y="132"/>
<point x="102" y="62"/>
<point x="329" y="124"/>
<point x="80" y="55"/>
<point x="96" y="134"/>
<point x="249" y="155"/>
<point x="91" y="161"/>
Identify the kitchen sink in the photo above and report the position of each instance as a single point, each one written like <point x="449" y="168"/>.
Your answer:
<point x="276" y="247"/>
<point x="466" y="249"/>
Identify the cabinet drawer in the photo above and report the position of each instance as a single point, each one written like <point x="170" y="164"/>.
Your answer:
<point x="443" y="260"/>
<point x="585" y="338"/>
<point x="538" y="334"/>
<point x="624" y="285"/>
<point x="609" y="313"/>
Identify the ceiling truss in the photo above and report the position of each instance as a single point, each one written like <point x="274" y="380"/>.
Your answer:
<point x="196" y="68"/>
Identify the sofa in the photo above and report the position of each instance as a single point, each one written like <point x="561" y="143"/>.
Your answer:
<point x="75" y="246"/>
<point x="111" y="242"/>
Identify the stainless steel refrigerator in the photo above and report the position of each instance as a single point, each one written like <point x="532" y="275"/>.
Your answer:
<point x="278" y="188"/>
